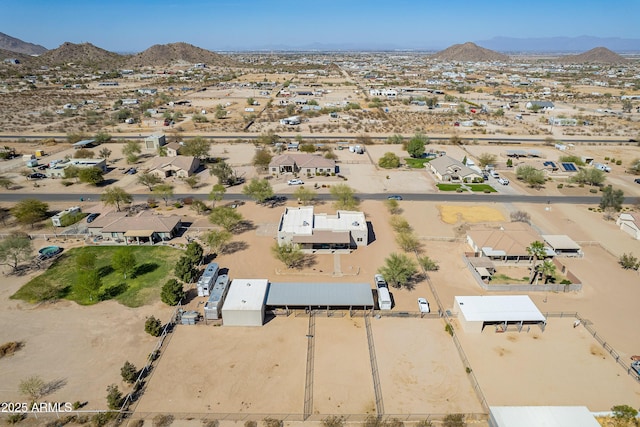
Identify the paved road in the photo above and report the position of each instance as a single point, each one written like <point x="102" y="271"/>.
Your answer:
<point x="432" y="197"/>
<point x="253" y="136"/>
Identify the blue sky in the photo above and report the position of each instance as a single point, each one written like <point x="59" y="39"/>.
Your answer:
<point x="129" y="26"/>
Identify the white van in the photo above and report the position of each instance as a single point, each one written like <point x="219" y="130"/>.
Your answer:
<point x="495" y="174"/>
<point x="384" y="299"/>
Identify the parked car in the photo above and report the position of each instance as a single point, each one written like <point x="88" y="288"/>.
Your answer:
<point x="91" y="217"/>
<point x="637" y="180"/>
<point x="503" y="181"/>
<point x="380" y="282"/>
<point x="37" y="175"/>
<point x="295" y="182"/>
<point x="395" y="197"/>
<point x="42" y="167"/>
<point x="130" y="171"/>
<point x="423" y="305"/>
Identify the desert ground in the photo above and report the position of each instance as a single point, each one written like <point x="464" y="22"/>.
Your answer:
<point x="211" y="369"/>
<point x="214" y="370"/>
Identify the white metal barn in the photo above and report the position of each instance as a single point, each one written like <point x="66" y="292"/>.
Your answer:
<point x="474" y="312"/>
<point x="537" y="416"/>
<point x="244" y="304"/>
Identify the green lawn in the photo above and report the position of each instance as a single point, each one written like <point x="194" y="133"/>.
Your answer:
<point x="154" y="267"/>
<point x="416" y="163"/>
<point x="448" y="187"/>
<point x="473" y="187"/>
<point x="482" y="187"/>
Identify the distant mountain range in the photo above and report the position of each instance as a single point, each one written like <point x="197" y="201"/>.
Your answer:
<point x="16" y="45"/>
<point x="184" y="53"/>
<point x="560" y="44"/>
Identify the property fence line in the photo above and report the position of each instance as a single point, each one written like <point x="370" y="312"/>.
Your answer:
<point x="616" y="356"/>
<point x="377" y="388"/>
<point x="447" y="316"/>
<point x="443" y="239"/>
<point x="308" y="382"/>
<point x="130" y="402"/>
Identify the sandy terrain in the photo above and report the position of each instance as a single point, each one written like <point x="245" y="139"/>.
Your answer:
<point x="560" y="366"/>
<point x="414" y="356"/>
<point x="217" y="369"/>
<point x="80" y="348"/>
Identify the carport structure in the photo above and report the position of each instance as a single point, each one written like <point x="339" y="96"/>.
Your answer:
<point x="474" y="312"/>
<point x="310" y="296"/>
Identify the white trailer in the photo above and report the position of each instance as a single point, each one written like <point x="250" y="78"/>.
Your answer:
<point x="213" y="307"/>
<point x="208" y="279"/>
<point x="384" y="299"/>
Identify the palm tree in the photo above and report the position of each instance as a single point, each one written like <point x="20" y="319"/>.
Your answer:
<point x="535" y="249"/>
<point x="548" y="270"/>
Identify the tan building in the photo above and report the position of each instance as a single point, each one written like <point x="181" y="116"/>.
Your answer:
<point x="180" y="166"/>
<point x="145" y="227"/>
<point x="447" y="168"/>
<point x="509" y="242"/>
<point x="309" y="164"/>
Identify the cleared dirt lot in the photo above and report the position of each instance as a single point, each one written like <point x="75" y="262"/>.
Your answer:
<point x="225" y="369"/>
<point x="560" y="366"/>
<point x="419" y="369"/>
<point x="342" y="380"/>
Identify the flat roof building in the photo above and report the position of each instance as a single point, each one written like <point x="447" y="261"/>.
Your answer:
<point x="538" y="416"/>
<point x="245" y="303"/>
<point x="345" y="230"/>
<point x="474" y="312"/>
<point x="320" y="295"/>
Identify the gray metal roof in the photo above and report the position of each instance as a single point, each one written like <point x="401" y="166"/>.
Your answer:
<point x="320" y="294"/>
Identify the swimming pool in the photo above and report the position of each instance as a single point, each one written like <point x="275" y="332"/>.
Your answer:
<point x="49" y="251"/>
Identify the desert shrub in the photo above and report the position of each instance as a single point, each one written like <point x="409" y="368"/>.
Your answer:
<point x="8" y="348"/>
<point x="136" y="423"/>
<point x="454" y="420"/>
<point x="153" y="326"/>
<point x="250" y="423"/>
<point x="162" y="420"/>
<point x="333" y="421"/>
<point x="129" y="372"/>
<point x="449" y="329"/>
<point x="102" y="418"/>
<point x="271" y="422"/>
<point x="15" y="418"/>
<point x="560" y="185"/>
<point x="211" y="423"/>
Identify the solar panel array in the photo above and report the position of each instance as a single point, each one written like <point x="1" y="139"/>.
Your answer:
<point x="548" y="163"/>
<point x="569" y="167"/>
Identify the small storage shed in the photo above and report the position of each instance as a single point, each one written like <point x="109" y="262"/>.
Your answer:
<point x="244" y="304"/>
<point x="537" y="416"/>
<point x="474" y="312"/>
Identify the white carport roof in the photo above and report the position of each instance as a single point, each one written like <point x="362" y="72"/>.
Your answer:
<point x="561" y="242"/>
<point x="499" y="308"/>
<point x="542" y="416"/>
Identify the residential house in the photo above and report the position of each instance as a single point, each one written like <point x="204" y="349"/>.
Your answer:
<point x="345" y="230"/>
<point x="310" y="164"/>
<point x="179" y="166"/>
<point x="630" y="224"/>
<point x="447" y="168"/>
<point x="145" y="227"/>
<point x="56" y="168"/>
<point x="541" y="105"/>
<point x="507" y="243"/>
